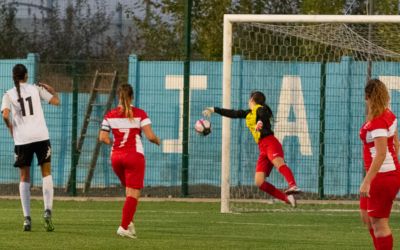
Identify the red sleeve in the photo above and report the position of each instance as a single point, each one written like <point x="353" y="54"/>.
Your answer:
<point x="378" y="127"/>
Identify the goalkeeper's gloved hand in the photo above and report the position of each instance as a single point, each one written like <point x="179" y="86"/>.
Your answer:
<point x="208" y="111"/>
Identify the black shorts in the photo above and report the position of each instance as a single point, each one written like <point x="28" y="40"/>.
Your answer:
<point x="24" y="153"/>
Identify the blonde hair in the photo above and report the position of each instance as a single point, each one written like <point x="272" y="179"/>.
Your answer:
<point x="125" y="95"/>
<point x="378" y="97"/>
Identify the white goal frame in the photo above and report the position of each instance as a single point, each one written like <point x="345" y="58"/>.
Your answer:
<point x="229" y="19"/>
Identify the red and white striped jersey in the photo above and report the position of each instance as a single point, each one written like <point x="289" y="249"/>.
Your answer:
<point x="126" y="132"/>
<point x="382" y="126"/>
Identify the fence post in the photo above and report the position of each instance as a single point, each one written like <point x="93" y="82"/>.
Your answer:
<point x="237" y="73"/>
<point x="346" y="61"/>
<point x="186" y="100"/>
<point x="133" y="78"/>
<point x="321" y="164"/>
<point x="74" y="132"/>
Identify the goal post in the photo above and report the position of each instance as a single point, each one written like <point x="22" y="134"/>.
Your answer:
<point x="304" y="35"/>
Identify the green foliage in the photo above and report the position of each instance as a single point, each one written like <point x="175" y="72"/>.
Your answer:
<point x="207" y="23"/>
<point x="155" y="37"/>
<point x="83" y="31"/>
<point x="13" y="42"/>
<point x="184" y="225"/>
<point x="77" y="36"/>
<point x="320" y="7"/>
<point x="266" y="7"/>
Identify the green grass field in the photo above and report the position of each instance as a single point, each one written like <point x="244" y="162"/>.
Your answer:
<point x="182" y="225"/>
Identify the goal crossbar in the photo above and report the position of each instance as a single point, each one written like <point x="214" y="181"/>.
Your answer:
<point x="238" y="18"/>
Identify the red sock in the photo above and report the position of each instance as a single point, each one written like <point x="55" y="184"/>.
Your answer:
<point x="371" y="232"/>
<point x="287" y="173"/>
<point x="384" y="243"/>
<point x="272" y="190"/>
<point x="128" y="211"/>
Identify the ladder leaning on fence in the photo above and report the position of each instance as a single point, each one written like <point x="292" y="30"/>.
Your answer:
<point x="90" y="118"/>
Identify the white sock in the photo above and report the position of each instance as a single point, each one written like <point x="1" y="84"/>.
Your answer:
<point x="25" y="195"/>
<point x="48" y="192"/>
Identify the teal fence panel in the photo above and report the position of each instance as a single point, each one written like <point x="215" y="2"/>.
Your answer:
<point x="292" y="90"/>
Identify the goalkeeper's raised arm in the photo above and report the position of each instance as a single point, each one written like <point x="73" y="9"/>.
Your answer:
<point x="231" y="113"/>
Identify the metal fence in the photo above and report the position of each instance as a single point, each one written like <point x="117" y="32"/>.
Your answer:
<point x="293" y="91"/>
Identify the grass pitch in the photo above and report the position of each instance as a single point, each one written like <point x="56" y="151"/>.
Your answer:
<point x="182" y="225"/>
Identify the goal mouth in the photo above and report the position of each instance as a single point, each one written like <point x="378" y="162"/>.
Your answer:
<point x="313" y="69"/>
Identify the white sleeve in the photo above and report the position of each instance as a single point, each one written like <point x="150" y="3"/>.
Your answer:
<point x="105" y="126"/>
<point x="145" y="122"/>
<point x="6" y="103"/>
<point x="381" y="132"/>
<point x="44" y="94"/>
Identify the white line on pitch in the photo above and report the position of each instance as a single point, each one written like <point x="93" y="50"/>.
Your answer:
<point x="268" y="224"/>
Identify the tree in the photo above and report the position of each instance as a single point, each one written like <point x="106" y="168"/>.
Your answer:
<point x="80" y="35"/>
<point x="266" y="7"/>
<point x="320" y="7"/>
<point x="13" y="42"/>
<point x="155" y="35"/>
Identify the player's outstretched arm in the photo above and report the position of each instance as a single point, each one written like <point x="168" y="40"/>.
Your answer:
<point x="231" y="113"/>
<point x="148" y="132"/>
<point x="104" y="136"/>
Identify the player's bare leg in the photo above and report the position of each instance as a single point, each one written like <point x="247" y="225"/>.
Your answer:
<point x="25" y="196"/>
<point x="267" y="187"/>
<point x="367" y="222"/>
<point x="127" y="228"/>
<point x="48" y="194"/>
<point x="383" y="234"/>
<point x="284" y="170"/>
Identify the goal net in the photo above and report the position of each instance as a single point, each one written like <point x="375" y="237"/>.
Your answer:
<point x="313" y="70"/>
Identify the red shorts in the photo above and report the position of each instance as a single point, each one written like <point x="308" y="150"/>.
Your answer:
<point x="383" y="191"/>
<point x="130" y="168"/>
<point x="270" y="148"/>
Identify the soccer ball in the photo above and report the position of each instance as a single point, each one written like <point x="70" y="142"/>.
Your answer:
<point x="203" y="127"/>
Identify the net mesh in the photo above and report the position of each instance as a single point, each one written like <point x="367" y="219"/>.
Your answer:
<point x="313" y="76"/>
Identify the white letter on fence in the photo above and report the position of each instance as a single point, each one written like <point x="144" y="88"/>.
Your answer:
<point x="175" y="82"/>
<point x="292" y="96"/>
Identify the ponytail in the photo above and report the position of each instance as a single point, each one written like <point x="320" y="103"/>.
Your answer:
<point x="19" y="73"/>
<point x="125" y="94"/>
<point x="17" y="86"/>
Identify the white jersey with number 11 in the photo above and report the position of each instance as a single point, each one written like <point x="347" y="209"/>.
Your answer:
<point x="28" y="120"/>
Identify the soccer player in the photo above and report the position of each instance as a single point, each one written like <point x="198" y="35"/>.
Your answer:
<point x="127" y="156"/>
<point x="29" y="131"/>
<point x="382" y="180"/>
<point x="258" y="120"/>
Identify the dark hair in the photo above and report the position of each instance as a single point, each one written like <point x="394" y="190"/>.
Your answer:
<point x="258" y="97"/>
<point x="19" y="73"/>
<point x="378" y="96"/>
<point x="125" y="94"/>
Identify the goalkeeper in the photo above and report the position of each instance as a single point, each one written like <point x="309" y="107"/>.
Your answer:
<point x="258" y="120"/>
